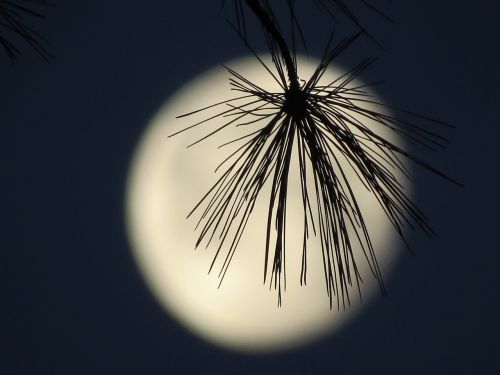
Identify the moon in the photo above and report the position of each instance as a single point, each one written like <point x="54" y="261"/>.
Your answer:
<point x="166" y="180"/>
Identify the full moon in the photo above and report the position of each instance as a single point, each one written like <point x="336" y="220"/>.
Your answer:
<point x="165" y="182"/>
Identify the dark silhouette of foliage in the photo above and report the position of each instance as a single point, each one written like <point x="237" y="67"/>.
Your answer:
<point x="326" y="127"/>
<point x="14" y="27"/>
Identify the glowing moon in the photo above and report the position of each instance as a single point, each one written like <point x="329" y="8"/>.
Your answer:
<point x="166" y="180"/>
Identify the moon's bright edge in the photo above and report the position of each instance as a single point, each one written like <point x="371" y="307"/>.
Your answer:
<point x="166" y="180"/>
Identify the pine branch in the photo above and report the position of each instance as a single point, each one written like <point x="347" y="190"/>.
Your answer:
<point x="327" y="127"/>
<point x="13" y="25"/>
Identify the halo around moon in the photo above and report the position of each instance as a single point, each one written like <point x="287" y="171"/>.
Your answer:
<point x="165" y="182"/>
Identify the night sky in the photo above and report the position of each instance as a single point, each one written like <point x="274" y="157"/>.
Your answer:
<point x="73" y="301"/>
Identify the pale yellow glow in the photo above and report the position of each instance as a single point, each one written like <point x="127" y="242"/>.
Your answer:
<point x="166" y="180"/>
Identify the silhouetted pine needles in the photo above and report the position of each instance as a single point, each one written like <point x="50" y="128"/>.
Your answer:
<point x="329" y="128"/>
<point x="329" y="7"/>
<point x="324" y="126"/>
<point x="13" y="14"/>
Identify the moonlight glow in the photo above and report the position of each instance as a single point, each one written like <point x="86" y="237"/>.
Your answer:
<point x="166" y="180"/>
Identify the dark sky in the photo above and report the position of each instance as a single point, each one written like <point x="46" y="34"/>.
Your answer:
<point x="73" y="301"/>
